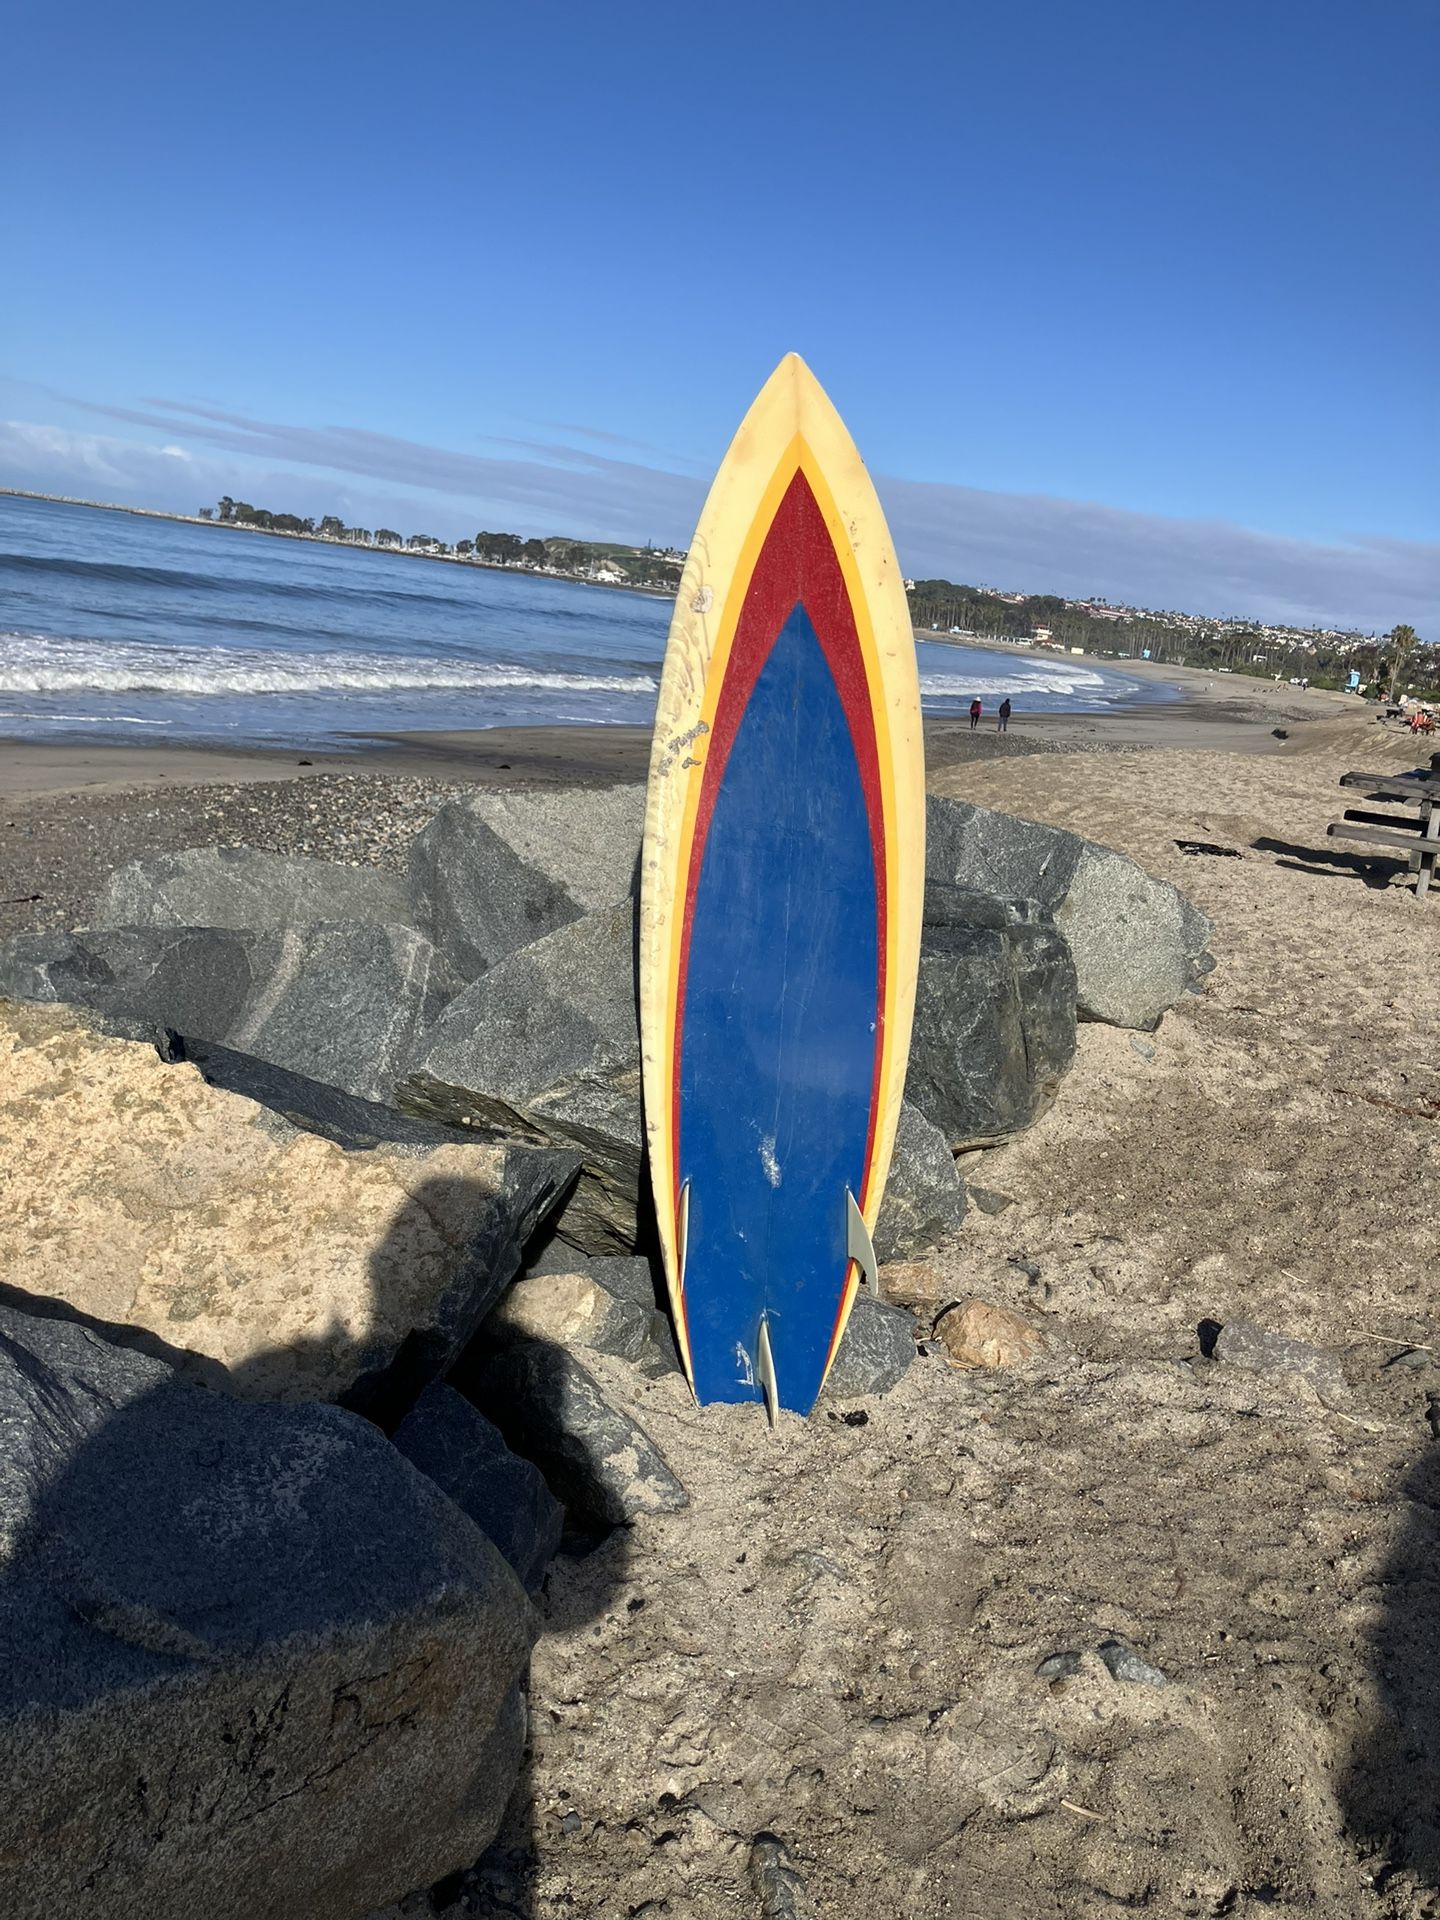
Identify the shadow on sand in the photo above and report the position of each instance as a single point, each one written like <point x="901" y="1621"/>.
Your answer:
<point x="113" y="1489"/>
<point x="1390" y="1793"/>
<point x="1375" y="870"/>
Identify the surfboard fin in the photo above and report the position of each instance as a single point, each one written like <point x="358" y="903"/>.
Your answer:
<point x="765" y="1370"/>
<point x="858" y="1245"/>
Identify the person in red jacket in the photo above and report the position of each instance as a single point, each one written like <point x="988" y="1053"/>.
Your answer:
<point x="975" y="712"/>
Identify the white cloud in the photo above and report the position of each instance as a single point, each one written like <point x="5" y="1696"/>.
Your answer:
<point x="963" y="533"/>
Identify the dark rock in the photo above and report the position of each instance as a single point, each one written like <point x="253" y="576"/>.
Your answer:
<point x="244" y="888"/>
<point x="1413" y="1360"/>
<point x="877" y="1346"/>
<point x="603" y="1465"/>
<point x="924" y="1200"/>
<point x="497" y="871"/>
<point x="311" y="1105"/>
<point x="571" y="1310"/>
<point x="774" y="1880"/>
<point x="342" y="1004"/>
<point x="1126" y="1664"/>
<point x="1137" y="943"/>
<point x="994" y="1016"/>
<point x="546" y="1044"/>
<point x="1241" y="1343"/>
<point x="1059" y="1666"/>
<point x="506" y="1497"/>
<point x="627" y="1276"/>
<point x="627" y="1279"/>
<point x="988" y="1201"/>
<point x="209" y="1610"/>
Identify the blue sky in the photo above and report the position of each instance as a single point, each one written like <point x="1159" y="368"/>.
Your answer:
<point x="1135" y="299"/>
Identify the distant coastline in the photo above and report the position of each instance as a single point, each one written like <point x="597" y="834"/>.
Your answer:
<point x="331" y="540"/>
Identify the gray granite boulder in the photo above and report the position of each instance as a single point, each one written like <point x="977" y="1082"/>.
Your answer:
<point x="251" y="1661"/>
<point x="994" y="1016"/>
<point x="1138" y="944"/>
<point x="877" y="1346"/>
<point x="467" y="1458"/>
<point x="343" y="1004"/>
<point x="546" y="1044"/>
<point x="496" y="871"/>
<point x="600" y="1461"/>
<point x="243" y="887"/>
<point x="290" y="1266"/>
<point x="924" y="1200"/>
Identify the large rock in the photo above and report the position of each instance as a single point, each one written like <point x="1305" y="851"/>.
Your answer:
<point x="467" y="1458"/>
<point x="344" y="1004"/>
<point x="572" y="1310"/>
<point x="242" y="887"/>
<point x="994" y="1016"/>
<point x="138" y="1195"/>
<point x="924" y="1200"/>
<point x="251" y="1661"/>
<point x="546" y="1044"/>
<point x="876" y="1347"/>
<point x="1138" y="944"/>
<point x="602" y="1463"/>
<point x="496" y="871"/>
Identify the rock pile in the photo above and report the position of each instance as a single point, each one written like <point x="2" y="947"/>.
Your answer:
<point x="307" y="1156"/>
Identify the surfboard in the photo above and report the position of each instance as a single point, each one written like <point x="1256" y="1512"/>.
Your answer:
<point x="782" y="885"/>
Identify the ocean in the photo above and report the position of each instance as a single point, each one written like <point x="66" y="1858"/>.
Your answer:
<point x="118" y="627"/>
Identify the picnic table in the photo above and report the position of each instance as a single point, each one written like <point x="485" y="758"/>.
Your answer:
<point x="1416" y="834"/>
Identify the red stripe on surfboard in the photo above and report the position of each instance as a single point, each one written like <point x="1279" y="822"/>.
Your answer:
<point x="797" y="563"/>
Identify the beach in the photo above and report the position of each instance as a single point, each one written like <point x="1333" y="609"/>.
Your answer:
<point x="1268" y="1154"/>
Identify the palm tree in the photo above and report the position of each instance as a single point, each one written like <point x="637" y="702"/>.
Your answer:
<point x="1402" y="645"/>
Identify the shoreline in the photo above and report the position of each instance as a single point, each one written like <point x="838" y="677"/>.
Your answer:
<point x="330" y="540"/>
<point x="1218" y="717"/>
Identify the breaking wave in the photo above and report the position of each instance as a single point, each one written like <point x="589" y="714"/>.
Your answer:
<point x="32" y="663"/>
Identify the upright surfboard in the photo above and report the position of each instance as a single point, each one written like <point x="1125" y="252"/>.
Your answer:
<point x="781" y="898"/>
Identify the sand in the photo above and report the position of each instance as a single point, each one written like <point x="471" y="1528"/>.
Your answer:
<point x="837" y="1644"/>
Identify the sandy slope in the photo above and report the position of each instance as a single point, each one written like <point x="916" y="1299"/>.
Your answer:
<point x="838" y="1643"/>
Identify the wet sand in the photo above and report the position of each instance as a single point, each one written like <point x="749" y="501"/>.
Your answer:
<point x="1225" y="713"/>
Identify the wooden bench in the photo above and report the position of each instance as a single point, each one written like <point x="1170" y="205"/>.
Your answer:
<point x="1417" y="835"/>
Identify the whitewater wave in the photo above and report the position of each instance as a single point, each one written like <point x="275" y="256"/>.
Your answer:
<point x="33" y="664"/>
<point x="1060" y="680"/>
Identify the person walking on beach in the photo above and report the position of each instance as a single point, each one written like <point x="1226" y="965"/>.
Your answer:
<point x="975" y="712"/>
<point x="1002" y="725"/>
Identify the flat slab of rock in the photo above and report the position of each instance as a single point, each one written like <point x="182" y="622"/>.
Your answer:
<point x="602" y="1463"/>
<point x="546" y="1045"/>
<point x="1242" y="1343"/>
<point x="243" y="887"/>
<point x="994" y="1016"/>
<point x="496" y="871"/>
<point x="344" y="1004"/>
<point x="924" y="1201"/>
<point x="251" y="1661"/>
<point x="457" y="1447"/>
<point x="1138" y="944"/>
<point x="136" y="1194"/>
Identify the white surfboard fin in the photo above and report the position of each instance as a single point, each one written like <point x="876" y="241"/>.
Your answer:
<point x="682" y="1232"/>
<point x="858" y="1245"/>
<point x="765" y="1370"/>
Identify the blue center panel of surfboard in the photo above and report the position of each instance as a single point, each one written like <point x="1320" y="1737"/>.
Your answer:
<point x="778" y="1044"/>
